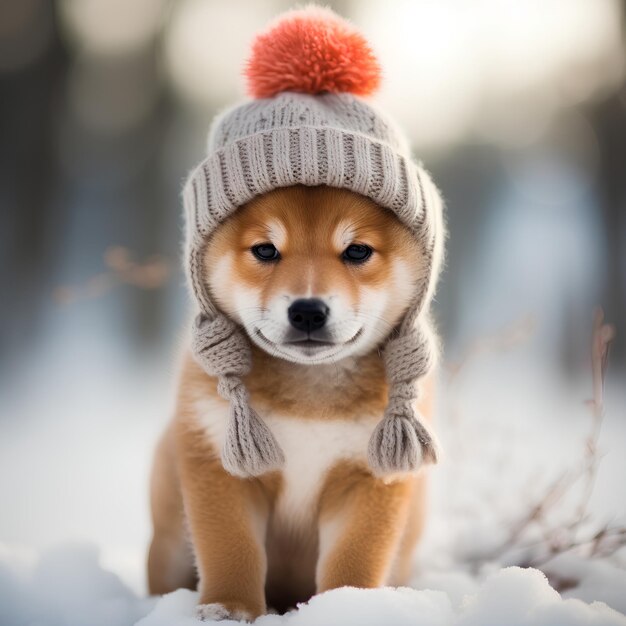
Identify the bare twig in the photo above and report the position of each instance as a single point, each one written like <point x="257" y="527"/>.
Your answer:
<point x="561" y="538"/>
<point x="603" y="335"/>
<point x="600" y="542"/>
<point x="150" y="274"/>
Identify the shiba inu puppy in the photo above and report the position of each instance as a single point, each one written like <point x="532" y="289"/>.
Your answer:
<point x="318" y="277"/>
<point x="292" y="463"/>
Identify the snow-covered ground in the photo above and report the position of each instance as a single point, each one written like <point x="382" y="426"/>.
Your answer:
<point x="74" y="462"/>
<point x="69" y="588"/>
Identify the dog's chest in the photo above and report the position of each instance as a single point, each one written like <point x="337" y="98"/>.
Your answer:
<point x="311" y="446"/>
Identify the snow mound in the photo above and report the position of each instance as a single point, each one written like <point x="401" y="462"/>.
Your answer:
<point x="68" y="587"/>
<point x="511" y="596"/>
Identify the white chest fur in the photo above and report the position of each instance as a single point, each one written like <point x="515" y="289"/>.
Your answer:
<point x="311" y="448"/>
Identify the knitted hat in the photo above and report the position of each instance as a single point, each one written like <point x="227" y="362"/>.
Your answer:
<point x="306" y="124"/>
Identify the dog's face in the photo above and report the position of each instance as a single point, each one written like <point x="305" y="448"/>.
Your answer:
<point x="314" y="274"/>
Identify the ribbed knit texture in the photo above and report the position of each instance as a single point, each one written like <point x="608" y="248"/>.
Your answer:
<point x="340" y="141"/>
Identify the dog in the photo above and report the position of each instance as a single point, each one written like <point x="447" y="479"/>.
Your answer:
<point x="292" y="464"/>
<point x="318" y="277"/>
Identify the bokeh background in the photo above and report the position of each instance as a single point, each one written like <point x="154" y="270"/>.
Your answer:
<point x="517" y="107"/>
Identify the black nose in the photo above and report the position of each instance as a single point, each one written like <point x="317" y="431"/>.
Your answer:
<point x="307" y="314"/>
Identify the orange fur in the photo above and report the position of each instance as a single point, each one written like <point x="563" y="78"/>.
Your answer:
<point x="358" y="530"/>
<point x="310" y="215"/>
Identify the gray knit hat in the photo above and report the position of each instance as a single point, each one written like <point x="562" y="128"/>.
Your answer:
<point x="299" y="133"/>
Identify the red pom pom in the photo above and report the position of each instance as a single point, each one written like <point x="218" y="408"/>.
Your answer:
<point x="311" y="50"/>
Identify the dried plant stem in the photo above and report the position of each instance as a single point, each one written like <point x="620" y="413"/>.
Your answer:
<point x="150" y="274"/>
<point x="560" y="538"/>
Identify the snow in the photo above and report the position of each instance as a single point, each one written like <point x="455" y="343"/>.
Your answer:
<point x="65" y="587"/>
<point x="511" y="596"/>
<point x="602" y="581"/>
<point x="68" y="587"/>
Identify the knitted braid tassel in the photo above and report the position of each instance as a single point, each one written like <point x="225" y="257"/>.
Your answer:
<point x="400" y="441"/>
<point x="250" y="448"/>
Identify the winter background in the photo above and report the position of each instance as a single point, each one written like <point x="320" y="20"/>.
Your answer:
<point x="518" y="107"/>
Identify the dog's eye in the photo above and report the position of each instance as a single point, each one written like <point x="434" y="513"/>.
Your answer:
<point x="266" y="252"/>
<point x="357" y="253"/>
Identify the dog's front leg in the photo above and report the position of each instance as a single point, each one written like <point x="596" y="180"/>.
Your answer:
<point x="227" y="519"/>
<point x="361" y="526"/>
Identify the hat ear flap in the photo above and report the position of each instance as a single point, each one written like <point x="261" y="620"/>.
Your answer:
<point x="250" y="448"/>
<point x="401" y="442"/>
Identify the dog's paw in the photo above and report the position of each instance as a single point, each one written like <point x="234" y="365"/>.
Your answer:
<point x="212" y="612"/>
<point x="216" y="612"/>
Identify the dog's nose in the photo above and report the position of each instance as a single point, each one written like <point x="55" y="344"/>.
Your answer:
<point x="307" y="314"/>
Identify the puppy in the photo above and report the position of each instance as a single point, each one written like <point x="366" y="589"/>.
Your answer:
<point x="318" y="277"/>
